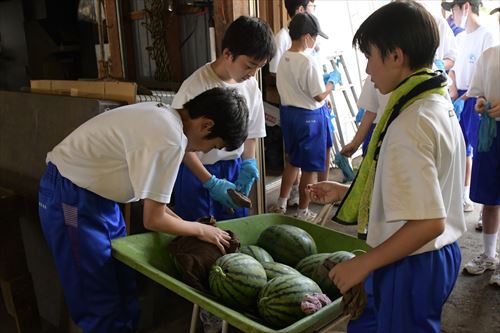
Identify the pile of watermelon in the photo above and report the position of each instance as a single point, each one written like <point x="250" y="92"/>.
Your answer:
<point x="273" y="277"/>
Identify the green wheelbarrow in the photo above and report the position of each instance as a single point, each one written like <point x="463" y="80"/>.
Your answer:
<point x="147" y="253"/>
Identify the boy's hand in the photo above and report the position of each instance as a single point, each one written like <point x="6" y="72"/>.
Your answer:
<point x="333" y="77"/>
<point x="214" y="235"/>
<point x="494" y="111"/>
<point x="248" y="175"/>
<point x="458" y="106"/>
<point x="217" y="188"/>
<point x="347" y="274"/>
<point x="480" y="104"/>
<point x="349" y="149"/>
<point x="439" y="64"/>
<point x="324" y="192"/>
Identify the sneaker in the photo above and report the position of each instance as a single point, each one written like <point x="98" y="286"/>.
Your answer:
<point x="276" y="209"/>
<point x="480" y="264"/>
<point x="468" y="207"/>
<point x="293" y="200"/>
<point x="495" y="278"/>
<point x="308" y="216"/>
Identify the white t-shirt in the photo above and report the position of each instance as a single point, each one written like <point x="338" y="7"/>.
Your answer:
<point x="470" y="47"/>
<point x="447" y="43"/>
<point x="298" y="80"/>
<point x="125" y="154"/>
<point x="485" y="80"/>
<point x="372" y="100"/>
<point x="203" y="79"/>
<point x="420" y="173"/>
<point x="283" y="43"/>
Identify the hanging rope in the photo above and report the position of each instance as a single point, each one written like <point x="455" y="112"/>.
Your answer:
<point x="158" y="18"/>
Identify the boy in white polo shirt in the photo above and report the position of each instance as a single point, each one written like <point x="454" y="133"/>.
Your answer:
<point x="123" y="155"/>
<point x="204" y="178"/>
<point x="409" y="184"/>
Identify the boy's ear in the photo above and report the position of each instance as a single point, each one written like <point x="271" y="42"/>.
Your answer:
<point x="206" y="125"/>
<point x="227" y="54"/>
<point x="398" y="56"/>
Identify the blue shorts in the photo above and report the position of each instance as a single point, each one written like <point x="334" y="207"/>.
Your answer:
<point x="408" y="295"/>
<point x="367" y="139"/>
<point x="79" y="225"/>
<point x="192" y="200"/>
<point x="485" y="176"/>
<point x="307" y="134"/>
<point x="469" y="122"/>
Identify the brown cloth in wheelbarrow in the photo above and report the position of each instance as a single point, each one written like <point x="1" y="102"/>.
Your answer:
<point x="194" y="258"/>
<point x="354" y="300"/>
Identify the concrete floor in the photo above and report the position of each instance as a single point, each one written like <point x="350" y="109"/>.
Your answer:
<point x="473" y="307"/>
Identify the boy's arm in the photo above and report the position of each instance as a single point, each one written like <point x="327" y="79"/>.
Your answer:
<point x="249" y="149"/>
<point x="323" y="95"/>
<point x="453" y="87"/>
<point x="192" y="161"/>
<point x="360" y="135"/>
<point x="409" y="238"/>
<point x="158" y="217"/>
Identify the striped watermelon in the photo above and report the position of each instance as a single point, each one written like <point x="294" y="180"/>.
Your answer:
<point x="257" y="252"/>
<point x="236" y="279"/>
<point x="312" y="267"/>
<point x="286" y="243"/>
<point x="275" y="269"/>
<point x="280" y="299"/>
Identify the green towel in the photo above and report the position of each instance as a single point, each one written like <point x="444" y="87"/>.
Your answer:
<point x="356" y="204"/>
<point x="487" y="130"/>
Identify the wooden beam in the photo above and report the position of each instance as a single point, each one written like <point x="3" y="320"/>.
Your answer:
<point x="114" y="41"/>
<point x="225" y="12"/>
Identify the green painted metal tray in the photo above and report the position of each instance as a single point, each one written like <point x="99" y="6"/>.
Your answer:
<point x="147" y="253"/>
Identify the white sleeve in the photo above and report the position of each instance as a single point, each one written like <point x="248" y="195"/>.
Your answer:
<point x="368" y="99"/>
<point x="256" y="120"/>
<point x="449" y="44"/>
<point x="282" y="44"/>
<point x="182" y="96"/>
<point x="153" y="171"/>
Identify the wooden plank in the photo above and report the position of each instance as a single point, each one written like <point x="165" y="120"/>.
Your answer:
<point x="116" y="62"/>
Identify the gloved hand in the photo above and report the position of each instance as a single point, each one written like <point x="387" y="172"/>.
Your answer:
<point x="334" y="77"/>
<point x="217" y="188"/>
<point x="458" y="105"/>
<point x="248" y="175"/>
<point x="439" y="64"/>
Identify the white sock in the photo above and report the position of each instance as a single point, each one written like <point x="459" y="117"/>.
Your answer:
<point x="301" y="212"/>
<point x="466" y="193"/>
<point x="282" y="202"/>
<point x="490" y="244"/>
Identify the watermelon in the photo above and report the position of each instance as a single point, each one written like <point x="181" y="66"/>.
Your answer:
<point x="287" y="244"/>
<point x="236" y="279"/>
<point x="313" y="268"/>
<point x="257" y="252"/>
<point x="275" y="269"/>
<point x="280" y="300"/>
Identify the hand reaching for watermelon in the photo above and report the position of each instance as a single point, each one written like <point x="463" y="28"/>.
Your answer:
<point x="326" y="192"/>
<point x="215" y="236"/>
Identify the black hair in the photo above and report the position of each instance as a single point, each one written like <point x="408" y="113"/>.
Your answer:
<point x="249" y="36"/>
<point x="474" y="5"/>
<point x="229" y="112"/>
<point x="405" y="24"/>
<point x="292" y="6"/>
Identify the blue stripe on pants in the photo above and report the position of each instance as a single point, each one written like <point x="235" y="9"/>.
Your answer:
<point x="408" y="295"/>
<point x="79" y="225"/>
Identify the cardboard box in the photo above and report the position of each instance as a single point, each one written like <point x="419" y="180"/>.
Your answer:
<point x="110" y="90"/>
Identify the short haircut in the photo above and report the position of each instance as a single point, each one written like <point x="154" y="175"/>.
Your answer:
<point x="250" y="36"/>
<point x="292" y="6"/>
<point x="405" y="24"/>
<point x="229" y="112"/>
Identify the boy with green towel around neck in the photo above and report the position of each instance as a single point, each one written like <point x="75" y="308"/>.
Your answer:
<point x="409" y="186"/>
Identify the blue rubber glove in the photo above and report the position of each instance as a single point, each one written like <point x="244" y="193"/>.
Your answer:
<point x="439" y="64"/>
<point x="334" y="77"/>
<point x="217" y="188"/>
<point x="359" y="115"/>
<point x="248" y="175"/>
<point x="458" y="105"/>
